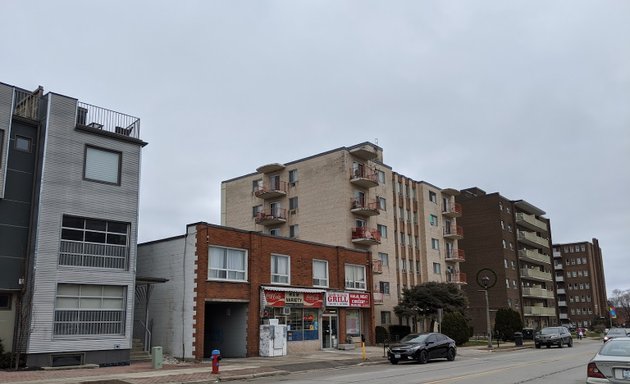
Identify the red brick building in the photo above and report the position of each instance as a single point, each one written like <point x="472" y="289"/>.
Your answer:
<point x="224" y="283"/>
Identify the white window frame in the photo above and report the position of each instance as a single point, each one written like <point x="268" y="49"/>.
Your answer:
<point x="95" y="161"/>
<point x="435" y="244"/>
<point x="277" y="276"/>
<point x="355" y="277"/>
<point x="320" y="281"/>
<point x="384" y="258"/>
<point x="231" y="273"/>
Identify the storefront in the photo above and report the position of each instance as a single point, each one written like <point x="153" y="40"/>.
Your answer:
<point x="353" y="310"/>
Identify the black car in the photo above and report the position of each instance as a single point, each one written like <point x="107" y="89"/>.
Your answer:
<point x="553" y="336"/>
<point x="422" y="347"/>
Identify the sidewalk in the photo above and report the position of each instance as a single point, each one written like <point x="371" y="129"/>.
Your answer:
<point x="230" y="369"/>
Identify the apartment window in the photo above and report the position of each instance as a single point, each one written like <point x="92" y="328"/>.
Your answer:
<point x="402" y="238"/>
<point x="504" y="244"/>
<point x="384" y="287"/>
<point x="294" y="230"/>
<point x="581" y="285"/>
<point x="587" y="285"/>
<point x="227" y="264"/>
<point x="384" y="257"/>
<point x="381" y="177"/>
<point x="280" y="269"/>
<point x="507" y="209"/>
<point x="386" y="317"/>
<point x="433" y="220"/>
<point x="585" y="273"/>
<point x="584" y="260"/>
<point x="437" y="268"/>
<point x="94" y="243"/>
<point x="510" y="227"/>
<point x="89" y="310"/>
<point x="355" y="276"/>
<point x="432" y="197"/>
<point x="415" y="217"/>
<point x="320" y="273"/>
<point x="409" y="240"/>
<point x="502" y="224"/>
<point x="579" y="261"/>
<point x="382" y="229"/>
<point x="404" y="265"/>
<point x="505" y="263"/>
<point x="382" y="203"/>
<point x="293" y="203"/>
<point x="417" y="267"/>
<point x="5" y="301"/>
<point x="23" y="144"/>
<point x="401" y="213"/>
<point x="583" y="248"/>
<point x="416" y="241"/>
<point x="507" y="283"/>
<point x="257" y="185"/>
<point x="293" y="177"/>
<point x="256" y="210"/>
<point x="511" y="246"/>
<point x="500" y="206"/>
<point x="571" y="248"/>
<point x="513" y="264"/>
<point x="102" y="165"/>
<point x="435" y="244"/>
<point x="514" y="284"/>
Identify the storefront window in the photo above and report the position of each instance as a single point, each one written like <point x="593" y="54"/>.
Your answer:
<point x="353" y="322"/>
<point x="302" y="324"/>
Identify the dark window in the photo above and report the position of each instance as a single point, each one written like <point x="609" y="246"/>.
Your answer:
<point x="23" y="143"/>
<point x="5" y="301"/>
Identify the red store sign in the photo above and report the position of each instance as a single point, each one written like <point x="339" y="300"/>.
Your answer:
<point x="348" y="299"/>
<point x="297" y="299"/>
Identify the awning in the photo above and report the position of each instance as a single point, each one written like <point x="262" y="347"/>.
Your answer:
<point x="293" y="289"/>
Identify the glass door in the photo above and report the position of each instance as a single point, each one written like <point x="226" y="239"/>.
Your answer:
<point x="329" y="331"/>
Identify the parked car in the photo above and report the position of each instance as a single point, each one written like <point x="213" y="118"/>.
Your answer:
<point x="422" y="347"/>
<point x="553" y="336"/>
<point x="616" y="332"/>
<point x="611" y="364"/>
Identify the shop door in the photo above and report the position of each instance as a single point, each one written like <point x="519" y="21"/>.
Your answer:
<point x="329" y="331"/>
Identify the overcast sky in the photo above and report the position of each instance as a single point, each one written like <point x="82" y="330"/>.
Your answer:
<point x="527" y="98"/>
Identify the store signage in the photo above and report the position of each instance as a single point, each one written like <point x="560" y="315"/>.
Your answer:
<point x="293" y="299"/>
<point x="347" y="299"/>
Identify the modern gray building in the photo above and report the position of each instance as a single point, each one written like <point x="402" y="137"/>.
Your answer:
<point x="69" y="180"/>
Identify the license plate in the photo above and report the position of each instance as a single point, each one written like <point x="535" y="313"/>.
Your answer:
<point x="397" y="356"/>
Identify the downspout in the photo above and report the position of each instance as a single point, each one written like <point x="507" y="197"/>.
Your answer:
<point x="184" y="296"/>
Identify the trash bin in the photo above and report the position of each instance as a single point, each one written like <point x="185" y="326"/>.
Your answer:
<point x="156" y="357"/>
<point x="518" y="339"/>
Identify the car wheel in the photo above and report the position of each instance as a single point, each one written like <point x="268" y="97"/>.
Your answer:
<point x="394" y="361"/>
<point x="450" y="355"/>
<point x="570" y="343"/>
<point x="423" y="357"/>
<point x="537" y="346"/>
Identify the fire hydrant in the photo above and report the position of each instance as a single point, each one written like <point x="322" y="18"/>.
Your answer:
<point x="216" y="356"/>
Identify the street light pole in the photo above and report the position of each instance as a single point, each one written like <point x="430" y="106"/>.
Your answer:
<point x="484" y="281"/>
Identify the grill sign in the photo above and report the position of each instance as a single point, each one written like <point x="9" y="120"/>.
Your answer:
<point x="347" y="299"/>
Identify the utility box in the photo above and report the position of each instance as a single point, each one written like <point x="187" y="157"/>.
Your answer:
<point x="156" y="357"/>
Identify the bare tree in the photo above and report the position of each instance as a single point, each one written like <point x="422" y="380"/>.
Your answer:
<point x="621" y="300"/>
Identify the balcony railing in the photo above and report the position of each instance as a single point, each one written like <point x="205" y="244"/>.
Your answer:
<point x="271" y="216"/>
<point x="364" y="208"/>
<point x="456" y="277"/>
<point x="532" y="239"/>
<point x="27" y="103"/>
<point x="455" y="255"/>
<point x="559" y="278"/>
<point x="533" y="256"/>
<point x="539" y="311"/>
<point x="107" y="120"/>
<point x="535" y="274"/>
<point x="531" y="222"/>
<point x="558" y="267"/>
<point x="271" y="191"/>
<point x="538" y="292"/>
<point x="562" y="303"/>
<point x="96" y="255"/>
<point x="561" y="291"/>
<point x="366" y="236"/>
<point x="453" y="232"/>
<point x="452" y="210"/>
<point x="364" y="177"/>
<point x="564" y="316"/>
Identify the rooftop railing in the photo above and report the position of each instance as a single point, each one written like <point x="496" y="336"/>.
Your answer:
<point x="107" y="120"/>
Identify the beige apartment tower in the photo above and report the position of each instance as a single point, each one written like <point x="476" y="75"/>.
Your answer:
<point x="349" y="197"/>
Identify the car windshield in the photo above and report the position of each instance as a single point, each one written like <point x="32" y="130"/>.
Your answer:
<point x="616" y="332"/>
<point x="616" y="347"/>
<point x="550" y="331"/>
<point x="414" y="338"/>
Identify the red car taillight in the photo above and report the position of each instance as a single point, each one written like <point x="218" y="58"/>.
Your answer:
<point x="592" y="371"/>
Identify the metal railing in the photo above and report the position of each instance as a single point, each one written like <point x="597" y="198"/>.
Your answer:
<point x="140" y="328"/>
<point x="93" y="254"/>
<point x="107" y="120"/>
<point x="89" y="322"/>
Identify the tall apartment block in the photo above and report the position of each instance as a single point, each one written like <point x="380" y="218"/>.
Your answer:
<point x="580" y="283"/>
<point x="349" y="197"/>
<point x="69" y="179"/>
<point x="509" y="241"/>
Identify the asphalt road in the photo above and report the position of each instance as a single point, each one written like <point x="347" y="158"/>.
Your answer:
<point x="531" y="366"/>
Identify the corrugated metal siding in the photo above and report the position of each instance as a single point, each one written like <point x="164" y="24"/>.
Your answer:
<point x="6" y="104"/>
<point x="63" y="191"/>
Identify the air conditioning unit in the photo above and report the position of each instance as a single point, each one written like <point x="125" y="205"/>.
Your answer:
<point x="292" y="211"/>
<point x="286" y="311"/>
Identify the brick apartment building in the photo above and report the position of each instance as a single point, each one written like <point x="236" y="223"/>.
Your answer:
<point x="580" y="283"/>
<point x="509" y="241"/>
<point x="349" y="197"/>
<point x="223" y="283"/>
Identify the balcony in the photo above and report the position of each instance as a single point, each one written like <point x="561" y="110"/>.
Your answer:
<point x="378" y="298"/>
<point x="365" y="152"/>
<point x="561" y="291"/>
<point x="272" y="216"/>
<point x="530" y="222"/>
<point x="532" y="239"/>
<point x="558" y="267"/>
<point x="452" y="210"/>
<point x="535" y="274"/>
<point x="364" y="178"/>
<point x="92" y="118"/>
<point x="453" y="232"/>
<point x="540" y="293"/>
<point x="365" y="236"/>
<point x="361" y="207"/>
<point x="377" y="266"/>
<point x="456" y="277"/>
<point x="562" y="303"/>
<point x="564" y="316"/>
<point x="27" y="103"/>
<point x="268" y="168"/>
<point x="559" y="278"/>
<point x="539" y="311"/>
<point x="274" y="190"/>
<point x="533" y="256"/>
<point x="457" y="255"/>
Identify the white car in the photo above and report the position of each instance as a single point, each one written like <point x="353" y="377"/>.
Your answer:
<point x="612" y="363"/>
